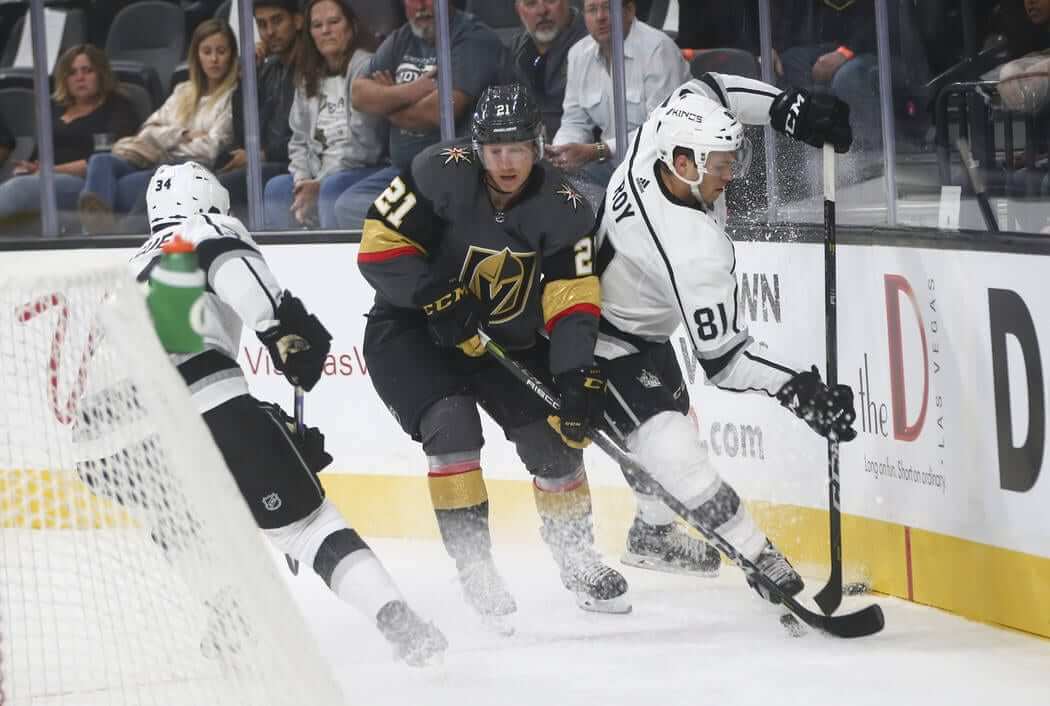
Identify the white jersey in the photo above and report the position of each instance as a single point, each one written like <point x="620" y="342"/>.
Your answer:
<point x="240" y="290"/>
<point x="664" y="262"/>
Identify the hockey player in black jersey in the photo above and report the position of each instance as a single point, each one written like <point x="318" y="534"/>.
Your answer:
<point x="273" y="467"/>
<point x="482" y="233"/>
<point x="666" y="261"/>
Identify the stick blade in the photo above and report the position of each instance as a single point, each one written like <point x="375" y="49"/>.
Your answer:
<point x="866" y="621"/>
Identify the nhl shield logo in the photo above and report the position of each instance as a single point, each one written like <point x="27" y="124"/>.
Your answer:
<point x="500" y="279"/>
<point x="272" y="502"/>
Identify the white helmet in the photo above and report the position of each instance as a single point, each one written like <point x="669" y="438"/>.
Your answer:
<point x="178" y="191"/>
<point x="697" y="123"/>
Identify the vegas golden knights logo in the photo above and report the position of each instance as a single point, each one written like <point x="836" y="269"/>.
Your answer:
<point x="501" y="279"/>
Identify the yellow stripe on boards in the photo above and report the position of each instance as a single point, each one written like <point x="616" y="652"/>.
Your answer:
<point x="45" y="499"/>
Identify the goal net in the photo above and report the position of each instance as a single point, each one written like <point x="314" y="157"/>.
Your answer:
<point x="131" y="571"/>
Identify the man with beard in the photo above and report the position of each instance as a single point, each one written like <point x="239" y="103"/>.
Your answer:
<point x="279" y="23"/>
<point x="402" y="86"/>
<point x="539" y="54"/>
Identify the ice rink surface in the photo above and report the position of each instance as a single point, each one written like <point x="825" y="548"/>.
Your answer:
<point x="701" y="642"/>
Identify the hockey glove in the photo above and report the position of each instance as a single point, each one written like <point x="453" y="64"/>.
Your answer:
<point x="582" y="404"/>
<point x="298" y="344"/>
<point x="310" y="445"/>
<point x="813" y="118"/>
<point x="827" y="411"/>
<point x="453" y="315"/>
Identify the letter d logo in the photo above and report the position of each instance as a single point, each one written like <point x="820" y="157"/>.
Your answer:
<point x="902" y="431"/>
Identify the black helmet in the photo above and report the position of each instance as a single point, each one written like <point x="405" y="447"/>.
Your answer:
<point x="507" y="114"/>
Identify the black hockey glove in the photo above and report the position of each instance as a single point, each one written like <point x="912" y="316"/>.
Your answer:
<point x="827" y="411"/>
<point x="298" y="344"/>
<point x="453" y="315"/>
<point x="813" y="118"/>
<point x="310" y="445"/>
<point x="582" y="395"/>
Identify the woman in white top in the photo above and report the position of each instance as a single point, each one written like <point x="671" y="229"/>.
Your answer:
<point x="195" y="123"/>
<point x="332" y="144"/>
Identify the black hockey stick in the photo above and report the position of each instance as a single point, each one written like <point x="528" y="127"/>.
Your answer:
<point x="830" y="597"/>
<point x="300" y="431"/>
<point x="866" y="621"/>
<point x="973" y="173"/>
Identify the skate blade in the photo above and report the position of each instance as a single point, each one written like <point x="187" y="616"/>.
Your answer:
<point x="620" y="604"/>
<point x="639" y="561"/>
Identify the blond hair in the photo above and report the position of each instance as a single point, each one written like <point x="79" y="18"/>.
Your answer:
<point x="198" y="89"/>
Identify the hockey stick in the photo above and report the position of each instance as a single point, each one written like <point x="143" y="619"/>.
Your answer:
<point x="866" y="621"/>
<point x="971" y="168"/>
<point x="830" y="597"/>
<point x="300" y="431"/>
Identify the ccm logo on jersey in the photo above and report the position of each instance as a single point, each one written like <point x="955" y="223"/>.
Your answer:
<point x="793" y="113"/>
<point x="679" y="113"/>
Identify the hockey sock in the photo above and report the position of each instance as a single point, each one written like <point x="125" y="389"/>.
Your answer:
<point x="461" y="505"/>
<point x="564" y="506"/>
<point x="652" y="511"/>
<point x="340" y="557"/>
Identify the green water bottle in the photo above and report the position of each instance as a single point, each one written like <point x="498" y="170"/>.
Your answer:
<point x="176" y="298"/>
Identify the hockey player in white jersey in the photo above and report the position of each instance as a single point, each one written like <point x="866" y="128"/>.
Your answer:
<point x="274" y="468"/>
<point x="665" y="260"/>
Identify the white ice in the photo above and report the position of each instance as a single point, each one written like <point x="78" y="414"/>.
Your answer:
<point x="701" y="642"/>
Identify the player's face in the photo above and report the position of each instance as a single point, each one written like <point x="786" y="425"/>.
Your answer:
<point x="544" y="19"/>
<point x="509" y="164"/>
<point x="82" y="83"/>
<point x="718" y="172"/>
<point x="277" y="29"/>
<point x="214" y="53"/>
<point x="330" y="31"/>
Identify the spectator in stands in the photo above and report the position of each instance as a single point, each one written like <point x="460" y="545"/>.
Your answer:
<point x="653" y="67"/>
<point x="829" y="45"/>
<point x="334" y="144"/>
<point x="87" y="107"/>
<point x="401" y="86"/>
<point x="540" y="52"/>
<point x="195" y="123"/>
<point x="279" y="24"/>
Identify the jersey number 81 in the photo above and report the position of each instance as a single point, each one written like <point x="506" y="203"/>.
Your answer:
<point x="707" y="325"/>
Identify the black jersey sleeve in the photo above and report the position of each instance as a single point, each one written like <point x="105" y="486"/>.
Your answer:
<point x="571" y="291"/>
<point x="400" y="229"/>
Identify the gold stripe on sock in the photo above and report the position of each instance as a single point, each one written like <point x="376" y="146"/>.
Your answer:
<point x="566" y="504"/>
<point x="458" y="490"/>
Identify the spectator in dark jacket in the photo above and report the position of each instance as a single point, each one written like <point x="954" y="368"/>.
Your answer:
<point x="539" y="53"/>
<point x="7" y="142"/>
<point x="829" y="45"/>
<point x="279" y="23"/>
<point x="87" y="112"/>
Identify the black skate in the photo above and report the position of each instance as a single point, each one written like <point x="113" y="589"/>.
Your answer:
<point x="416" y="642"/>
<point x="669" y="548"/>
<point x="486" y="593"/>
<point x="773" y="564"/>
<point x="597" y="587"/>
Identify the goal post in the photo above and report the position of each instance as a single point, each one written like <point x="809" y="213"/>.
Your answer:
<point x="131" y="570"/>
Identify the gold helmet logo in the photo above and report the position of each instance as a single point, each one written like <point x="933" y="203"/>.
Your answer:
<point x="500" y="279"/>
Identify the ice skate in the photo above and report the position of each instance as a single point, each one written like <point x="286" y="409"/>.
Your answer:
<point x="772" y="563"/>
<point x="669" y="548"/>
<point x="597" y="587"/>
<point x="487" y="594"/>
<point x="416" y="642"/>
